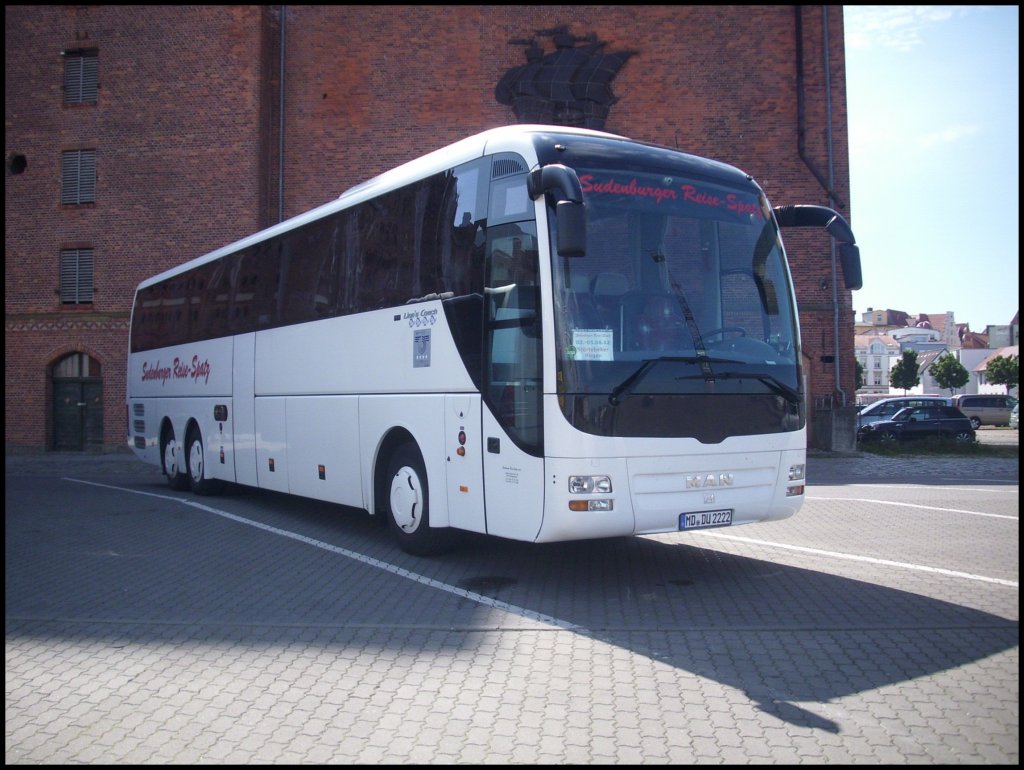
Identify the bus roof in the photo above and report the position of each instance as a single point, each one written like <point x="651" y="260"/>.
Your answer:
<point x="459" y="152"/>
<point x="501" y="139"/>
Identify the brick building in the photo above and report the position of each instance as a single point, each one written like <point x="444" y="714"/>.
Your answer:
<point x="140" y="137"/>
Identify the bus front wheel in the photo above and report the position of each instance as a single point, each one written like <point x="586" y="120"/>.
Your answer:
<point x="407" y="504"/>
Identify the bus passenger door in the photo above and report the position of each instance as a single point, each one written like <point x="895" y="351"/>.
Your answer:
<point x="512" y="417"/>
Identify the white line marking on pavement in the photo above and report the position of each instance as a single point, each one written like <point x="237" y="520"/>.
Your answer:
<point x="865" y="559"/>
<point x="996" y="489"/>
<point x="368" y="560"/>
<point x="915" y="505"/>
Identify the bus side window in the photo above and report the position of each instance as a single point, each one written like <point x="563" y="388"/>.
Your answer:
<point x="463" y="230"/>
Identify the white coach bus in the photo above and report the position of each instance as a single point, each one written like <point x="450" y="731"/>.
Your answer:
<point x="539" y="333"/>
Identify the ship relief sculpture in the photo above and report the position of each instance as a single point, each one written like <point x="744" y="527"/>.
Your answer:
<point x="570" y="86"/>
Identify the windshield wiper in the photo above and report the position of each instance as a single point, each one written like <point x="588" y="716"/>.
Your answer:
<point x="628" y="383"/>
<point x="788" y="392"/>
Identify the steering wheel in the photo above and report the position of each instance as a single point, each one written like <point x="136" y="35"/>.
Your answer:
<point x="721" y="332"/>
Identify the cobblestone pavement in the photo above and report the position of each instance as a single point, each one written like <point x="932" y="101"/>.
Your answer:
<point x="879" y="625"/>
<point x="823" y="468"/>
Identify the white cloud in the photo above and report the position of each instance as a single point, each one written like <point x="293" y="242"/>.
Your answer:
<point x="947" y="136"/>
<point x="898" y="27"/>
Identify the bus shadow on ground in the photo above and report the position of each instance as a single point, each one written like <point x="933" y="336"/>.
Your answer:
<point x="107" y="562"/>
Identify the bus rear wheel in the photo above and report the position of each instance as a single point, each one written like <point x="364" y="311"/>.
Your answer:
<point x="173" y="461"/>
<point x="407" y="504"/>
<point x="195" y="457"/>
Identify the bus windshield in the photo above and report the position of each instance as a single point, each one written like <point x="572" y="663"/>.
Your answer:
<point x="679" y="320"/>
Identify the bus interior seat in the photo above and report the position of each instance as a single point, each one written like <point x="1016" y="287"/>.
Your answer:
<point x="608" y="291"/>
<point x="579" y="302"/>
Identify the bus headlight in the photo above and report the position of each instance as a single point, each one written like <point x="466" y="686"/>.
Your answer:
<point x="796" y="473"/>
<point x="585" y="485"/>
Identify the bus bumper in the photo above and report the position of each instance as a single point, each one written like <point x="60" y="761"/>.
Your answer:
<point x="655" y="494"/>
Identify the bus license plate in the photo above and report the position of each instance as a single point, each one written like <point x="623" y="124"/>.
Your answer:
<point x="705" y="519"/>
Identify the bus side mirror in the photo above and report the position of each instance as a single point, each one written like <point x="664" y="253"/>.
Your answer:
<point x="838" y="228"/>
<point x="849" y="258"/>
<point x="571" y="221"/>
<point x="570" y="211"/>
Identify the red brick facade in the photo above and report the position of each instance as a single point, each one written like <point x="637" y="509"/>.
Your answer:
<point x="187" y="127"/>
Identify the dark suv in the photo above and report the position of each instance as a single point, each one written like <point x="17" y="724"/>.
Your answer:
<point x="917" y="422"/>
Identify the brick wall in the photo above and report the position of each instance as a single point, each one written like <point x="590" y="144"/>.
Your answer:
<point x="187" y="140"/>
<point x="35" y="344"/>
<point x="174" y="132"/>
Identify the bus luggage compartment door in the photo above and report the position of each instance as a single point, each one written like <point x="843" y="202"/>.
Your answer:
<point x="464" y="462"/>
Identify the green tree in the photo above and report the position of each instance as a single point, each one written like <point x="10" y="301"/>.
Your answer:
<point x="1003" y="370"/>
<point x="904" y="374"/>
<point x="949" y="373"/>
<point x="860" y="376"/>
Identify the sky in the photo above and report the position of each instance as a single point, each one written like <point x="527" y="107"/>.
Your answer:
<point x="932" y="97"/>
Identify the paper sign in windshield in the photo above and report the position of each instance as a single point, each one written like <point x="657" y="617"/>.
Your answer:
<point x="592" y="344"/>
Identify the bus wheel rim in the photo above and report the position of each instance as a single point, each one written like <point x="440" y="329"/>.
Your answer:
<point x="170" y="465"/>
<point x="406" y="499"/>
<point x="196" y="460"/>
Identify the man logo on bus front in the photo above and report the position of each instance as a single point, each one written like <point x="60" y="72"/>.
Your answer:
<point x="704" y="480"/>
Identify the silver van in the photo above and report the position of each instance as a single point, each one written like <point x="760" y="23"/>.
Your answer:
<point x="887" y="407"/>
<point x="985" y="410"/>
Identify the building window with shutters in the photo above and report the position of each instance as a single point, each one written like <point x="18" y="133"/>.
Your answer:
<point x="81" y="84"/>
<point x="76" y="276"/>
<point x="78" y="177"/>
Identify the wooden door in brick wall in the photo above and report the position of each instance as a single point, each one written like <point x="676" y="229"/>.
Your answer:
<point x="77" y="404"/>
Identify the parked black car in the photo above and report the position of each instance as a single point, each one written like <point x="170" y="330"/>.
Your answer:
<point x="917" y="422"/>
